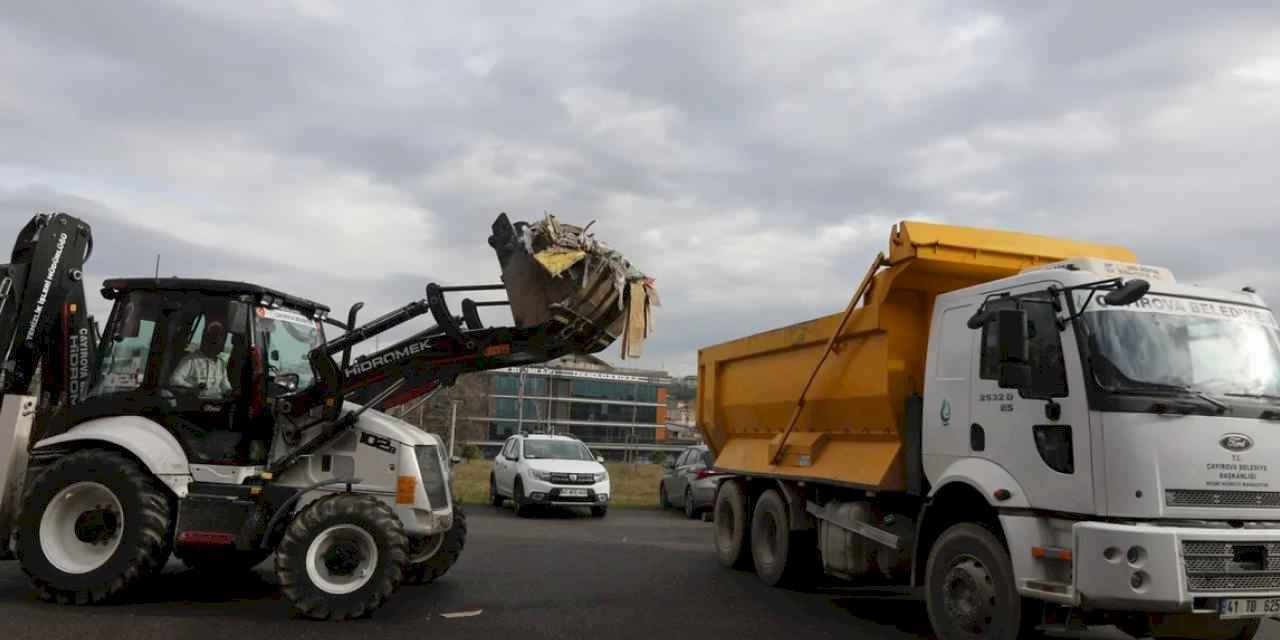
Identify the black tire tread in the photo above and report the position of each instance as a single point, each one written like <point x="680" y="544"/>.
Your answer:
<point x="738" y="557"/>
<point x="433" y="568"/>
<point x="495" y="498"/>
<point x="154" y="537"/>
<point x="291" y="556"/>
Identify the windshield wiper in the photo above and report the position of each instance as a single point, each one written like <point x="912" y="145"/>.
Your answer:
<point x="1261" y="396"/>
<point x="1142" y="386"/>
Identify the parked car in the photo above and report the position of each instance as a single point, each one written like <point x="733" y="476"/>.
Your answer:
<point x="546" y="470"/>
<point x="688" y="482"/>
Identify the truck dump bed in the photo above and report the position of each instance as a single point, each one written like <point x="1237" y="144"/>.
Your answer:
<point x="853" y="429"/>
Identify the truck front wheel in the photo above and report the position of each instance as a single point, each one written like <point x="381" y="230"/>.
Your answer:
<point x="93" y="524"/>
<point x="432" y="557"/>
<point x="342" y="557"/>
<point x="970" y="590"/>
<point x="731" y="526"/>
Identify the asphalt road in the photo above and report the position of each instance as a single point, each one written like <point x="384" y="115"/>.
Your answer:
<point x="636" y="574"/>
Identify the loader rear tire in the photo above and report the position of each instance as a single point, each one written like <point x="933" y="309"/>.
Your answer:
<point x="445" y="556"/>
<point x="732" y="528"/>
<point x="342" y="557"/>
<point x="93" y="524"/>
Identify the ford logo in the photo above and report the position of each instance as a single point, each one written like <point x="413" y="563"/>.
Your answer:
<point x="1236" y="442"/>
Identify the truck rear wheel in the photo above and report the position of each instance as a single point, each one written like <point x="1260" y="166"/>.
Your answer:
<point x="342" y="557"/>
<point x="731" y="526"/>
<point x="437" y="554"/>
<point x="970" y="590"/>
<point x="94" y="523"/>
<point x="782" y="557"/>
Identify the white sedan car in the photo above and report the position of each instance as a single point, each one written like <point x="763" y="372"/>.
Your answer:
<point x="536" y="470"/>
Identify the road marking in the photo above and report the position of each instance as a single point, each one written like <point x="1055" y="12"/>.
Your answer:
<point x="462" y="614"/>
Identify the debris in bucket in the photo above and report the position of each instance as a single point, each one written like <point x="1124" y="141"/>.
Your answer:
<point x="578" y="280"/>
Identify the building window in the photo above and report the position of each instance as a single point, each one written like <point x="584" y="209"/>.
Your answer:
<point x="509" y="408"/>
<point x="506" y="385"/>
<point x="604" y="390"/>
<point x="646" y="415"/>
<point x="592" y="412"/>
<point x="647" y="393"/>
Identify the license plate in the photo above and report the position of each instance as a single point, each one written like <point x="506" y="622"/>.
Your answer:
<point x="1230" y="608"/>
<point x="573" y="493"/>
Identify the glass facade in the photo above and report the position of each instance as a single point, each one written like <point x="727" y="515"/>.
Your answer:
<point x="595" y="410"/>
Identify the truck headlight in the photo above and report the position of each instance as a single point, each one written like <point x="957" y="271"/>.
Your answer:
<point x="545" y="476"/>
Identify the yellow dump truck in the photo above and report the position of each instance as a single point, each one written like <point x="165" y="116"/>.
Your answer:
<point x="1027" y="431"/>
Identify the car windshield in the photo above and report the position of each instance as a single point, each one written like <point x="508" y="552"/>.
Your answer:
<point x="1180" y="343"/>
<point x="556" y="450"/>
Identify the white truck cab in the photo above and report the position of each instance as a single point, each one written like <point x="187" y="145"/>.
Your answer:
<point x="1127" y="448"/>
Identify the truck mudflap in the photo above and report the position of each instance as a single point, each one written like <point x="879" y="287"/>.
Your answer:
<point x="1173" y="569"/>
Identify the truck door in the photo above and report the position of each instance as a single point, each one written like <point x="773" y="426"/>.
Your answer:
<point x="947" y="398"/>
<point x="1040" y="434"/>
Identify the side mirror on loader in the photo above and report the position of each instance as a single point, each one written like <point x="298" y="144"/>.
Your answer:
<point x="1015" y="372"/>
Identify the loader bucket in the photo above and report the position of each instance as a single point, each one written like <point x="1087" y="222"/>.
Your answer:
<point x="582" y="304"/>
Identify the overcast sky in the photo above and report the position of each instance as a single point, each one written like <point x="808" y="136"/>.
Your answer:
<point x="750" y="156"/>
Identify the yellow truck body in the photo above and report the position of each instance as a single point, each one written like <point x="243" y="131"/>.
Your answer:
<point x="851" y="429"/>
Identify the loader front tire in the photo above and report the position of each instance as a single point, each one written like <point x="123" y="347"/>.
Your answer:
<point x="423" y="571"/>
<point x="342" y="557"/>
<point x="93" y="524"/>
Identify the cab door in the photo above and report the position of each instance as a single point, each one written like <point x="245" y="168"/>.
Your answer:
<point x="1040" y="434"/>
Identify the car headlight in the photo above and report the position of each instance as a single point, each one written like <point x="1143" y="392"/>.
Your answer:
<point x="542" y="475"/>
<point x="602" y="476"/>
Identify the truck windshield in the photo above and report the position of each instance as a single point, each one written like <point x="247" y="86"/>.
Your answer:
<point x="1210" y="347"/>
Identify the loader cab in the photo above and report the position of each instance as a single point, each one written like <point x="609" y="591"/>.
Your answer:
<point x="205" y="359"/>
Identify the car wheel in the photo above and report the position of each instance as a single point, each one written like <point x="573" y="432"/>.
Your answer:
<point x="689" y="511"/>
<point x="495" y="498"/>
<point x="517" y="498"/>
<point x="663" y="502"/>
<point x="731" y="528"/>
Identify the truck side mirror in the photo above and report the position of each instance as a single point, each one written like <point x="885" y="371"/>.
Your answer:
<point x="1128" y="293"/>
<point x="1015" y="373"/>
<point x="1013" y="335"/>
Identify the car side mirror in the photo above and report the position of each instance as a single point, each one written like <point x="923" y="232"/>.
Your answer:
<point x="600" y="459"/>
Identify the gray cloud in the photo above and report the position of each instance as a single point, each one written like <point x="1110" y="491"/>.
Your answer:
<point x="750" y="156"/>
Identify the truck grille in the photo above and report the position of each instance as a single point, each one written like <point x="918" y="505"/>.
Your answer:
<point x="1232" y="566"/>
<point x="432" y="476"/>
<point x="1237" y="499"/>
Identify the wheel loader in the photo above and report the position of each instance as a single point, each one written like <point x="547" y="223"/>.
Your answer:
<point x="216" y="422"/>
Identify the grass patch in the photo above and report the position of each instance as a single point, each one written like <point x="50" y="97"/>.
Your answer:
<point x="633" y="485"/>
